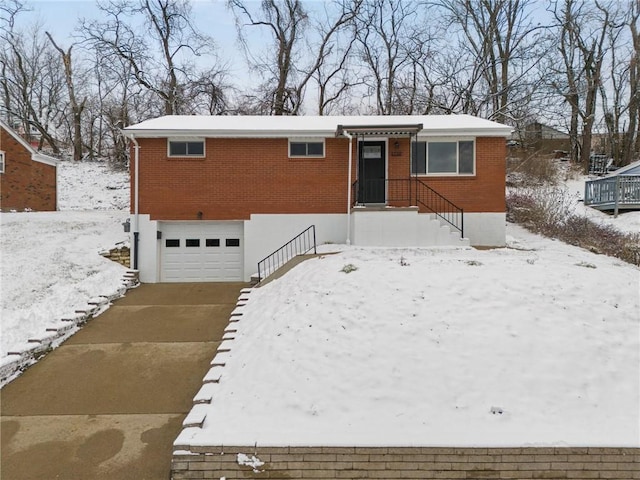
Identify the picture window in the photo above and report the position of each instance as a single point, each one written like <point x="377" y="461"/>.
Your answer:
<point x="443" y="158"/>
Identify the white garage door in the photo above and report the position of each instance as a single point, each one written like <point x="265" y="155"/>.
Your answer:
<point x="202" y="251"/>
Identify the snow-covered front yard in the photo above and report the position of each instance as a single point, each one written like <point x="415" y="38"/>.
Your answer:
<point x="535" y="344"/>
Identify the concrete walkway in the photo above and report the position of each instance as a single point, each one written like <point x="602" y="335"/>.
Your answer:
<point x="110" y="401"/>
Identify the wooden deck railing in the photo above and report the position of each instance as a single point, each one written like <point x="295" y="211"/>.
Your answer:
<point x="613" y="193"/>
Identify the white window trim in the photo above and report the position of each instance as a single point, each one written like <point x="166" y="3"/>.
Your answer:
<point x="306" y="140"/>
<point x="3" y="158"/>
<point x="185" y="140"/>
<point x="449" y="140"/>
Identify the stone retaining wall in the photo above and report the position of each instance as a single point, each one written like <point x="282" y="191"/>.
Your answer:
<point x="119" y="254"/>
<point x="406" y="462"/>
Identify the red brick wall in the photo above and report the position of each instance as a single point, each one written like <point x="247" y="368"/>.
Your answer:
<point x="25" y="183"/>
<point x="243" y="176"/>
<point x="483" y="192"/>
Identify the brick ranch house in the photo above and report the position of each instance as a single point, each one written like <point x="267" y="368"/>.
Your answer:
<point x="28" y="179"/>
<point x="213" y="195"/>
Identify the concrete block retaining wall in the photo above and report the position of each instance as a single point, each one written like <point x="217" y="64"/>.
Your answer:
<point x="407" y="462"/>
<point x="17" y="362"/>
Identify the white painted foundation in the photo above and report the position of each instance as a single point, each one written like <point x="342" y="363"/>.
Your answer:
<point x="486" y="229"/>
<point x="148" y="250"/>
<point x="392" y="227"/>
<point x="264" y="234"/>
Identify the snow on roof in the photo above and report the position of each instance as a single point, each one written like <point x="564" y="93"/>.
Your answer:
<point x="632" y="169"/>
<point x="326" y="126"/>
<point x="35" y="155"/>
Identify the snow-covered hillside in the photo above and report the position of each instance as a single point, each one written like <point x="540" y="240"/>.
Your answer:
<point x="50" y="260"/>
<point x="92" y="186"/>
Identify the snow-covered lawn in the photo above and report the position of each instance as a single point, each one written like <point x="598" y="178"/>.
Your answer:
<point x="535" y="344"/>
<point x="50" y="260"/>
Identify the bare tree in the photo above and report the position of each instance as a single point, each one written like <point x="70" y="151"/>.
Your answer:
<point x="32" y="85"/>
<point x="631" y="140"/>
<point x="286" y="21"/>
<point x="614" y="89"/>
<point x="384" y="29"/>
<point x="500" y="35"/>
<point x="77" y="106"/>
<point x="581" y="43"/>
<point x="153" y="53"/>
<point x="329" y="68"/>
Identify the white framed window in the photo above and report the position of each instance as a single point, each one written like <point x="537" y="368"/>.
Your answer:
<point x="186" y="147"/>
<point x="1" y="162"/>
<point x="306" y="148"/>
<point x="443" y="157"/>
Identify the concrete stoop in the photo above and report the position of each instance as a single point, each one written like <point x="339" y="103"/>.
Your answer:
<point x="401" y="227"/>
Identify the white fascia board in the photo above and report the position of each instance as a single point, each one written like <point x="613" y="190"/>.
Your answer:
<point x="228" y="133"/>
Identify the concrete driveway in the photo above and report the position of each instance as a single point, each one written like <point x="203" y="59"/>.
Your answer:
<point x="109" y="402"/>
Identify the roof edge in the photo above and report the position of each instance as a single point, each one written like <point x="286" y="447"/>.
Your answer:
<point x="35" y="155"/>
<point x="167" y="133"/>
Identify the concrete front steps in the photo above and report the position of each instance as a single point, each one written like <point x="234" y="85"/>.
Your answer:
<point x="401" y="227"/>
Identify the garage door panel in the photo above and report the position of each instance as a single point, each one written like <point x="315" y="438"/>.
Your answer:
<point x="205" y="251"/>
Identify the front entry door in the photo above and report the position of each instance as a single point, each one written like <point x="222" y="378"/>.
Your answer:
<point x="371" y="172"/>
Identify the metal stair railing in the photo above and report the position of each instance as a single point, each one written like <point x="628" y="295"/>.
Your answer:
<point x="299" y="245"/>
<point x="403" y="190"/>
<point x="441" y="206"/>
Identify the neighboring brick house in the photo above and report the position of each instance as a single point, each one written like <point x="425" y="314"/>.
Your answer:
<point x="27" y="177"/>
<point x="211" y="195"/>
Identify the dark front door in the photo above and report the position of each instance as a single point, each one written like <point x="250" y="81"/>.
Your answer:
<point x="371" y="172"/>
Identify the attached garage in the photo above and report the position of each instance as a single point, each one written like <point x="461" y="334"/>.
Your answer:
<point x="201" y="251"/>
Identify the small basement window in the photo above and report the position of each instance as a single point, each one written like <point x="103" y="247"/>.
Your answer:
<point x="186" y="148"/>
<point x="1" y="162"/>
<point x="306" y="148"/>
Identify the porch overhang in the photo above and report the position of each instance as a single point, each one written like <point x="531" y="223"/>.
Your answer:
<point x="407" y="130"/>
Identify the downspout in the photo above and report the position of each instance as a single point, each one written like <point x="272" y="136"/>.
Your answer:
<point x="136" y="182"/>
<point x="350" y="137"/>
